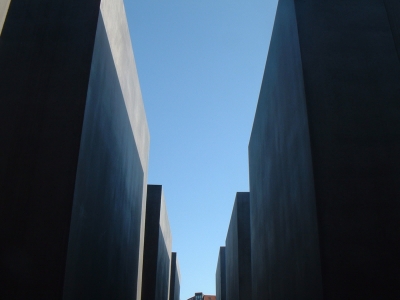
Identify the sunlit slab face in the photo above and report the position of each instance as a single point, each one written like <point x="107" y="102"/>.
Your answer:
<point x="4" y="4"/>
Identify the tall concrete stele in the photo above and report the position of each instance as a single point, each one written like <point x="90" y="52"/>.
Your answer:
<point x="157" y="247"/>
<point x="73" y="152"/>
<point x="220" y="276"/>
<point x="238" y="250"/>
<point x="175" y="279"/>
<point x="324" y="154"/>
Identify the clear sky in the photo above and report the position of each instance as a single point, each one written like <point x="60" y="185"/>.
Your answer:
<point x="200" y="66"/>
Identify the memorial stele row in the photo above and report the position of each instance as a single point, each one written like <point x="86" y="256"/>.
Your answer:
<point x="324" y="163"/>
<point x="74" y="157"/>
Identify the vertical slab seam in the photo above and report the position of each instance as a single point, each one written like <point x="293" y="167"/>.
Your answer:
<point x="278" y="156"/>
<point x="309" y="139"/>
<point x="394" y="28"/>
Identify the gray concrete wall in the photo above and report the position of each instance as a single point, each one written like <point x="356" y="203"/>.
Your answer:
<point x="157" y="247"/>
<point x="103" y="260"/>
<point x="285" y="251"/>
<point x="220" y="276"/>
<point x="238" y="250"/>
<point x="73" y="160"/>
<point x="117" y="29"/>
<point x="45" y="59"/>
<point x="324" y="169"/>
<point x="175" y="279"/>
<point x="232" y="257"/>
<point x="352" y="82"/>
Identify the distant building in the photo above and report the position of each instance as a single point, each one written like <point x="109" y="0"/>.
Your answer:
<point x="197" y="296"/>
<point x="200" y="296"/>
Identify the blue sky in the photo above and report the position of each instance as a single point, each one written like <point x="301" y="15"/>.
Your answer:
<point x="200" y="66"/>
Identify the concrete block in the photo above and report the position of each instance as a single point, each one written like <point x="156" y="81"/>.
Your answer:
<point x="323" y="154"/>
<point x="73" y="165"/>
<point x="238" y="250"/>
<point x="157" y="247"/>
<point x="175" y="279"/>
<point x="220" y="276"/>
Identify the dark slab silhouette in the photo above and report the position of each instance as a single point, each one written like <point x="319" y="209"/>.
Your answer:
<point x="72" y="164"/>
<point x="220" y="276"/>
<point x="238" y="250"/>
<point x="175" y="279"/>
<point x="324" y="163"/>
<point x="157" y="247"/>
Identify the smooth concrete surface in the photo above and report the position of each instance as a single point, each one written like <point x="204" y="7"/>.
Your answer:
<point x="72" y="171"/>
<point x="285" y="252"/>
<point x="117" y="29"/>
<point x="4" y="4"/>
<point x="324" y="164"/>
<point x="121" y="47"/>
<point x="175" y="279"/>
<point x="45" y="58"/>
<point x="220" y="276"/>
<point x="103" y="260"/>
<point x="157" y="247"/>
<point x="238" y="250"/>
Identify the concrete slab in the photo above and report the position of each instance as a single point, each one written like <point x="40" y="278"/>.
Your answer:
<point x="157" y="247"/>
<point x="324" y="169"/>
<point x="175" y="279"/>
<point x="72" y="168"/>
<point x="220" y="276"/>
<point x="238" y="250"/>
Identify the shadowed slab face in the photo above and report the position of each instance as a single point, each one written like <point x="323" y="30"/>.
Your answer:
<point x="163" y="269"/>
<point x="103" y="251"/>
<point x="157" y="247"/>
<point x="238" y="251"/>
<point x="174" y="290"/>
<point x="324" y="163"/>
<point x="284" y="232"/>
<point x="352" y="82"/>
<point x="220" y="280"/>
<point x="45" y="57"/>
<point x="72" y="171"/>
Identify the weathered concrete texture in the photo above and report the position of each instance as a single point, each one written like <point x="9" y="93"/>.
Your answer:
<point x="175" y="279"/>
<point x="157" y="247"/>
<point x="324" y="164"/>
<point x="238" y="250"/>
<point x="72" y="170"/>
<point x="220" y="276"/>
